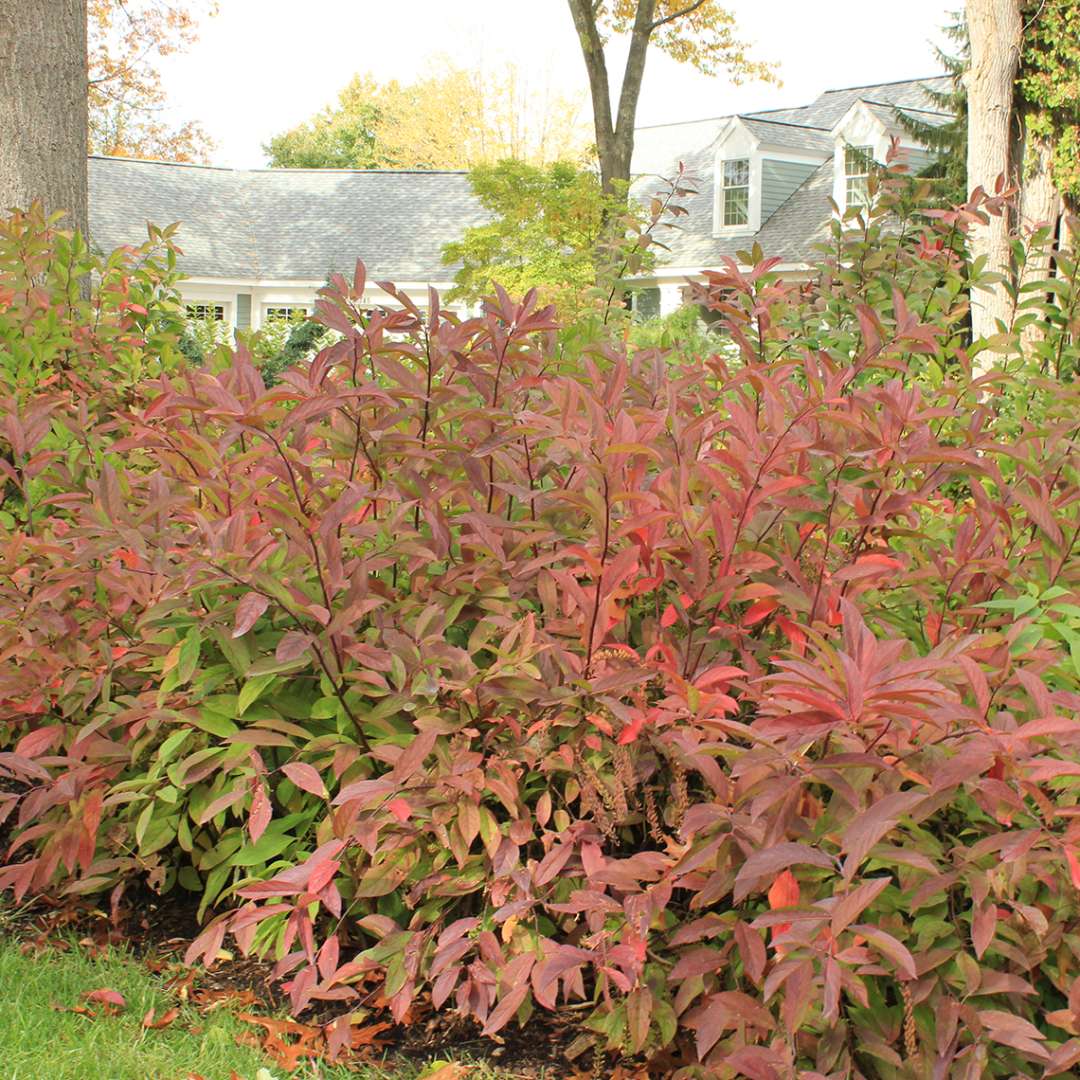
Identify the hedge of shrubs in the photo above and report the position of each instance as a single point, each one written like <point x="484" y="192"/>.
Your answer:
<point x="732" y="697"/>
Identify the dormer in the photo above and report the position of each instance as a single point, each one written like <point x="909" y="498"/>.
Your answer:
<point x="861" y="139"/>
<point x="758" y="165"/>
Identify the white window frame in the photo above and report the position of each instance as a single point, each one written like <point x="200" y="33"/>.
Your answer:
<point x="722" y="175"/>
<point x="857" y="182"/>
<point x="191" y="316"/>
<point x="272" y="312"/>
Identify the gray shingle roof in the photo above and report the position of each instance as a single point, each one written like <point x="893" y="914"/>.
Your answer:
<point x="795" y="136"/>
<point x="911" y="93"/>
<point x="803" y="219"/>
<point x="789" y="234"/>
<point x="887" y="114"/>
<point x="285" y="224"/>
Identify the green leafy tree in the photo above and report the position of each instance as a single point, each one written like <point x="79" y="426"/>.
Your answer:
<point x="1049" y="87"/>
<point x="544" y="230"/>
<point x="339" y="137"/>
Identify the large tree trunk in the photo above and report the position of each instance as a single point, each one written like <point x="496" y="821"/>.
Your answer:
<point x="1039" y="206"/>
<point x="994" y="27"/>
<point x="43" y="106"/>
<point x="614" y="136"/>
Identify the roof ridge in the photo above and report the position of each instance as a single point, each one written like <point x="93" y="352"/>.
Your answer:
<point x="906" y="108"/>
<point x="890" y="82"/>
<point x="682" y="123"/>
<point x="781" y="123"/>
<point x="275" y="170"/>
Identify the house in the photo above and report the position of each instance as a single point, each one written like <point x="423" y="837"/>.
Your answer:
<point x="259" y="243"/>
<point x="768" y="177"/>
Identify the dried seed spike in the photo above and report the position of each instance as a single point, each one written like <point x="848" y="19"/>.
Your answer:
<point x="604" y="822"/>
<point x="911" y="1041"/>
<point x="619" y="796"/>
<point x="680" y="792"/>
<point x="652" y="816"/>
<point x="601" y="788"/>
<point x="627" y="775"/>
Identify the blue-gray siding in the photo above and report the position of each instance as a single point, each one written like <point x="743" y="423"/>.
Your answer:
<point x="917" y="160"/>
<point x="780" y="180"/>
<point x="243" y="311"/>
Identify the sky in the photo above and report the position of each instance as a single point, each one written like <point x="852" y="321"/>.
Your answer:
<point x="263" y="66"/>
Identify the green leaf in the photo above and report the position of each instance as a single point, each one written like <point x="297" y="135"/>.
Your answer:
<point x="252" y="690"/>
<point x="214" y="722"/>
<point x="268" y="845"/>
<point x="171" y="746"/>
<point x="189" y="656"/>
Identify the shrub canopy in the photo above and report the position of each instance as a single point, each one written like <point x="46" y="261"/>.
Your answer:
<point x="734" y="695"/>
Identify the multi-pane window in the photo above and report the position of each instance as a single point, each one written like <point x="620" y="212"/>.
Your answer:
<point x="735" y="192"/>
<point x="858" y="161"/>
<point x="286" y="314"/>
<point x="647" y="303"/>
<point x="212" y="312"/>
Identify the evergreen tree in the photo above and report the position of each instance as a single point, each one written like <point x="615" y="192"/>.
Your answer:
<point x="948" y="141"/>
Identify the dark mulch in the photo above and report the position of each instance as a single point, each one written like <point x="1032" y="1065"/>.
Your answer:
<point x="158" y="929"/>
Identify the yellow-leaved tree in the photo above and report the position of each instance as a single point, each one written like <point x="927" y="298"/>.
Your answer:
<point x="456" y="118"/>
<point x="697" y="32"/>
<point x="126" y="100"/>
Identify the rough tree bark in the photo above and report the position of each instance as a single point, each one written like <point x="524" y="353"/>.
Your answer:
<point x="994" y="27"/>
<point x="615" y="132"/>
<point x="1039" y="204"/>
<point x="43" y="106"/>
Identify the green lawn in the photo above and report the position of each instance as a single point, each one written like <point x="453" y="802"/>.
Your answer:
<point x="38" y="1042"/>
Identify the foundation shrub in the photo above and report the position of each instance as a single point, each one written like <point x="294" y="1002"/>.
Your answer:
<point x="734" y="696"/>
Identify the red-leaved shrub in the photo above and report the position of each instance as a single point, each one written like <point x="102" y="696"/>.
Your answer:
<point x="731" y="695"/>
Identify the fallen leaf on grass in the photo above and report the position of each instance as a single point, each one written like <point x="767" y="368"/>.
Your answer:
<point x="166" y="1019"/>
<point x="79" y="1010"/>
<point x="110" y="1001"/>
<point x="287" y="1054"/>
<point x="181" y="984"/>
<point x="43" y="943"/>
<point x="206" y="999"/>
<point x="445" y="1070"/>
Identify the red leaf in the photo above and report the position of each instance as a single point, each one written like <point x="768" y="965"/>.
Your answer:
<point x="292" y="646"/>
<point x="758" y="611"/>
<point x="306" y="777"/>
<point x="261" y="813"/>
<point x="784" y="891"/>
<point x="1074" y="866"/>
<point x="670" y="616"/>
<point x="632" y="730"/>
<point x="400" y="809"/>
<point x="720" y="673"/>
<point x="106" y="997"/>
<point x="166" y="1019"/>
<point x="248" y="610"/>
<point x="794" y="632"/>
<point x="37" y="742"/>
<point x="323" y="874"/>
